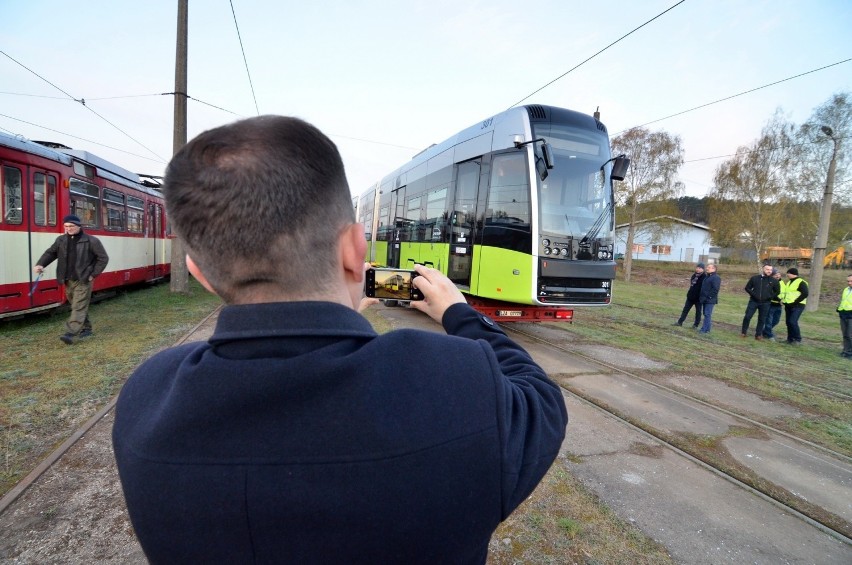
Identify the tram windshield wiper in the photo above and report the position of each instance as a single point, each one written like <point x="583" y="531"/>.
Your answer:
<point x="619" y="169"/>
<point x="596" y="226"/>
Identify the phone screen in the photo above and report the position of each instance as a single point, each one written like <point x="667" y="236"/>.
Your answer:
<point x="391" y="284"/>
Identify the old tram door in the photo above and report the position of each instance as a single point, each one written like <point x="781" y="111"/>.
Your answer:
<point x="158" y="241"/>
<point x="463" y="223"/>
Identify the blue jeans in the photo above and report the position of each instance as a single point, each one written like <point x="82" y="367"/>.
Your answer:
<point x="793" y="313"/>
<point x="773" y="320"/>
<point x="762" y="309"/>
<point x="707" y="309"/>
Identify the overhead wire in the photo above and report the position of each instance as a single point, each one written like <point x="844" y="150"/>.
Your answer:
<point x="83" y="102"/>
<point x="596" y="54"/>
<point x="740" y="94"/>
<point x="245" y="61"/>
<point x="160" y="160"/>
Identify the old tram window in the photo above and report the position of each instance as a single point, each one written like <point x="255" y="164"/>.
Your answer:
<point x="12" y="196"/>
<point x="85" y="202"/>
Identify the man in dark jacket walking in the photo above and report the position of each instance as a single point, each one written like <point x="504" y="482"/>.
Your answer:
<point x="761" y="289"/>
<point x="692" y="297"/>
<point x="709" y="296"/>
<point x="81" y="257"/>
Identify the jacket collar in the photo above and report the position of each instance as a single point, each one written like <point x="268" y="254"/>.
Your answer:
<point x="283" y="319"/>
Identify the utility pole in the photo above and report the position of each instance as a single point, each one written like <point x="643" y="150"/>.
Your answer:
<point x="180" y="276"/>
<point x="821" y="240"/>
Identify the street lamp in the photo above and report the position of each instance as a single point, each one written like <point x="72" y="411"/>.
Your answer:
<point x="822" y="231"/>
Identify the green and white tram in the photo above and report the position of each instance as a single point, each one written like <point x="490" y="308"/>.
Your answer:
<point x="517" y="210"/>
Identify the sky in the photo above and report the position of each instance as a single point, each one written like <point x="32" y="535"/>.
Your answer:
<point x="387" y="79"/>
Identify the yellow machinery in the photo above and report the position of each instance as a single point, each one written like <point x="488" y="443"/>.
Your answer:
<point x="835" y="258"/>
<point x="802" y="256"/>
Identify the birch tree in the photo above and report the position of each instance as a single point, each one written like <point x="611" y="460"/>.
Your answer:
<point x="751" y="193"/>
<point x="655" y="158"/>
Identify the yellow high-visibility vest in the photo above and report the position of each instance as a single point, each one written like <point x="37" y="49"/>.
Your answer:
<point x="845" y="300"/>
<point x="791" y="291"/>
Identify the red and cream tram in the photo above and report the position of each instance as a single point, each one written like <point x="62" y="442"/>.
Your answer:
<point x="40" y="183"/>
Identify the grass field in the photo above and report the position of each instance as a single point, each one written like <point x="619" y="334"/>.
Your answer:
<point x="641" y="318"/>
<point x="48" y="389"/>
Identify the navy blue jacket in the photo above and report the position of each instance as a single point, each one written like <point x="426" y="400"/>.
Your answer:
<point x="299" y="435"/>
<point x="710" y="287"/>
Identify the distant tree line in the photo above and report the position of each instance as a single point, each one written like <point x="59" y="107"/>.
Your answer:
<point x="768" y="193"/>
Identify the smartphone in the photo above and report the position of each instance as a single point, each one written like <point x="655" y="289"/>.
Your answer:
<point x="391" y="284"/>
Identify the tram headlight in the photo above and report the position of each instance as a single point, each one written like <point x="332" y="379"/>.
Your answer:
<point x="547" y="251"/>
<point x="545" y="242"/>
<point x="564" y="252"/>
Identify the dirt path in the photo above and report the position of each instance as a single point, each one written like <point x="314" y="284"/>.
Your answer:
<point x="75" y="512"/>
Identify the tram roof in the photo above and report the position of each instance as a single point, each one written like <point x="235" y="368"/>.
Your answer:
<point x="23" y="144"/>
<point x="534" y="112"/>
<point x="66" y="156"/>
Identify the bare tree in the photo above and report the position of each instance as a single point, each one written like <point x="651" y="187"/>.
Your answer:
<point x="655" y="158"/>
<point x="751" y="188"/>
<point x="829" y="125"/>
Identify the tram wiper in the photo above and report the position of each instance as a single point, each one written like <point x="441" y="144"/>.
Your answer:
<point x="596" y="226"/>
<point x="619" y="169"/>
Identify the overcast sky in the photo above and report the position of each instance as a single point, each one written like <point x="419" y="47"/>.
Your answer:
<point x="386" y="79"/>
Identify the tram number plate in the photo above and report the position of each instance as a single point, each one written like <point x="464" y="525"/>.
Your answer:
<point x="513" y="313"/>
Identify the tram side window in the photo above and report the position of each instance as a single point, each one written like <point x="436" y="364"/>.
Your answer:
<point x="412" y="219"/>
<point x="384" y="230"/>
<point x="509" y="193"/>
<point x="44" y="199"/>
<point x="85" y="202"/>
<point x="436" y="214"/>
<point x="135" y="214"/>
<point x="12" y="200"/>
<point x="113" y="210"/>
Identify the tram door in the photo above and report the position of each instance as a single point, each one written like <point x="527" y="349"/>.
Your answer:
<point x="398" y="232"/>
<point x="463" y="223"/>
<point x="40" y="212"/>
<point x="158" y="241"/>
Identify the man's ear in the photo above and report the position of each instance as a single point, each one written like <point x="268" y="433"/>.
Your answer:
<point x="353" y="249"/>
<point x="196" y="272"/>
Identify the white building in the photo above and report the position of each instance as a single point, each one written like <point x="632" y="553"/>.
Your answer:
<point x="666" y="238"/>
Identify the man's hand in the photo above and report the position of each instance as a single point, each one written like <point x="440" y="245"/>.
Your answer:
<point x="439" y="292"/>
<point x="366" y="303"/>
<point x="38" y="269"/>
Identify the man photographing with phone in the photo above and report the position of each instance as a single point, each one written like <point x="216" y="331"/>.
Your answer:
<point x="297" y="434"/>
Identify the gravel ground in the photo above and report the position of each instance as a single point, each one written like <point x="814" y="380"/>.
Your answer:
<point x="75" y="511"/>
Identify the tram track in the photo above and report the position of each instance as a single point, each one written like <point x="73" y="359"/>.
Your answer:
<point x="697" y="349"/>
<point x="820" y="518"/>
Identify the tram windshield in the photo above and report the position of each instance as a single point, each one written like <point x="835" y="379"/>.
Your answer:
<point x="576" y="194"/>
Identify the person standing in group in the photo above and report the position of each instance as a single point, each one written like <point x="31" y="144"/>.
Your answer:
<point x="297" y="434"/>
<point x="80" y="258"/>
<point x="761" y="289"/>
<point x="709" y="296"/>
<point x="775" y="309"/>
<point x="844" y="309"/>
<point x="795" y="298"/>
<point x="692" y="295"/>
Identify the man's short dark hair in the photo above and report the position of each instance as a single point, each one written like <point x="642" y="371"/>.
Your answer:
<point x="260" y="202"/>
